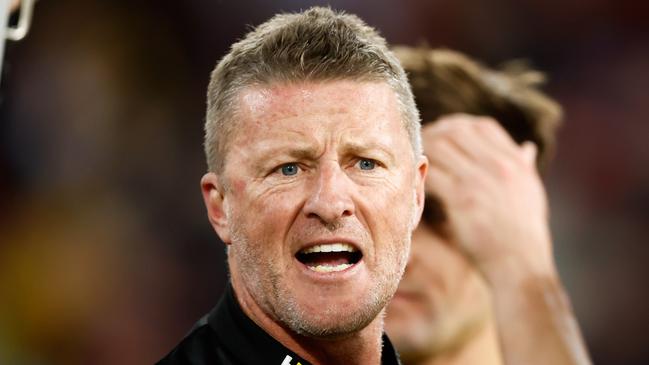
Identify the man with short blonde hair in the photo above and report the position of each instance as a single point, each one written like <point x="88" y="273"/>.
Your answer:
<point x="312" y="46"/>
<point x="315" y="184"/>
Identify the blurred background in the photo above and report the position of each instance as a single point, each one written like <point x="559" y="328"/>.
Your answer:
<point x="106" y="255"/>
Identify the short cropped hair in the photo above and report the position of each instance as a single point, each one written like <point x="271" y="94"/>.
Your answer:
<point x="446" y="82"/>
<point x="318" y="44"/>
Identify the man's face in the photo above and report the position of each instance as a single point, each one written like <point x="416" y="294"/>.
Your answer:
<point x="441" y="300"/>
<point x="322" y="195"/>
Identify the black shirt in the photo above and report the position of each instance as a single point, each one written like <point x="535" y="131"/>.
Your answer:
<point x="226" y="336"/>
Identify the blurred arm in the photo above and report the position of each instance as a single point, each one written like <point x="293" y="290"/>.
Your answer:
<point x="535" y="320"/>
<point x="496" y="212"/>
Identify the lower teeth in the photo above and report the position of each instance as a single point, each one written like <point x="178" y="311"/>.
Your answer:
<point x="328" y="268"/>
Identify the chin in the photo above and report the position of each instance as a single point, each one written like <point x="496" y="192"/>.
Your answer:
<point x="330" y="319"/>
<point x="331" y="327"/>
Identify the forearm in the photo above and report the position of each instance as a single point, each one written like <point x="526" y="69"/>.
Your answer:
<point x="535" y="321"/>
<point x="496" y="212"/>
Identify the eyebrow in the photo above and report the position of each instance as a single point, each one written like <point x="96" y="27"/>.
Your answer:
<point x="302" y="153"/>
<point x="273" y="153"/>
<point x="312" y="153"/>
<point x="355" y="148"/>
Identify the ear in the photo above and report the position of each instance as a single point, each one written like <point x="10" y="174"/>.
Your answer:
<point x="216" y="204"/>
<point x="420" y="191"/>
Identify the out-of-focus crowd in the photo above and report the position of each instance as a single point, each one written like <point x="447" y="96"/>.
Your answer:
<point x="106" y="256"/>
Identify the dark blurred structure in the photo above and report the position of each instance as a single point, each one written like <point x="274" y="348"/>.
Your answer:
<point x="106" y="256"/>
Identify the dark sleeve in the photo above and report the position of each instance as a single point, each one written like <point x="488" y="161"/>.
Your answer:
<point x="200" y="347"/>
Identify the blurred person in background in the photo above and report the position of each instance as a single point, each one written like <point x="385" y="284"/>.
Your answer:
<point x="452" y="307"/>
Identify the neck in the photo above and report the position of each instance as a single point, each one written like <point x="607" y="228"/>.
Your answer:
<point x="481" y="348"/>
<point x="362" y="347"/>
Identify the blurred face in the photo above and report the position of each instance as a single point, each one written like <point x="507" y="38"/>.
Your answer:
<point x="441" y="300"/>
<point x="322" y="193"/>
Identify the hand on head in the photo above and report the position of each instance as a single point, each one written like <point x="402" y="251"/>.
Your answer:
<point x="490" y="191"/>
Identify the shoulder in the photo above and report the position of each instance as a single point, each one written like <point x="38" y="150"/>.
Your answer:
<point x="199" y="347"/>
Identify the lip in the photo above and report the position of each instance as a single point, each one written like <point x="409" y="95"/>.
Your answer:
<point x="332" y="240"/>
<point x="330" y="277"/>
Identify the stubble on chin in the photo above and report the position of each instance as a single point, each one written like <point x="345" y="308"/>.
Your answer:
<point x="266" y="281"/>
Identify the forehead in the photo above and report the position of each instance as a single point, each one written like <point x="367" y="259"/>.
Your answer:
<point x="317" y="107"/>
<point x="316" y="116"/>
<point x="290" y="99"/>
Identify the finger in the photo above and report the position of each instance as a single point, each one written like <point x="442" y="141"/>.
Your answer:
<point x="495" y="134"/>
<point x="483" y="140"/>
<point x="439" y="183"/>
<point x="529" y="151"/>
<point x="492" y="132"/>
<point x="447" y="157"/>
<point x="438" y="139"/>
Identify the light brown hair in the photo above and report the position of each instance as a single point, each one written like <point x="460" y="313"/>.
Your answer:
<point x="446" y="82"/>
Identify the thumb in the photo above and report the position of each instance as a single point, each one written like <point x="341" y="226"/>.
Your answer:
<point x="529" y="150"/>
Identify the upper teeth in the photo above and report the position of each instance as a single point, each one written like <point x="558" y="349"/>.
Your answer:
<point x="330" y="247"/>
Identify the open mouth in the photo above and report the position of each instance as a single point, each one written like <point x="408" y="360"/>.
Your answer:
<point x="331" y="257"/>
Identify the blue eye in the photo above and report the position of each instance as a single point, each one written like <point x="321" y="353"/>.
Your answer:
<point x="289" y="169"/>
<point x="366" y="164"/>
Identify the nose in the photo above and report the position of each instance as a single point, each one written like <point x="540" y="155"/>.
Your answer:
<point x="330" y="199"/>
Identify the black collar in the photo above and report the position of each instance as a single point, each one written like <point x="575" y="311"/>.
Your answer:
<point x="249" y="344"/>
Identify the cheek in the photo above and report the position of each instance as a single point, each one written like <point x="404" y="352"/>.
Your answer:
<point x="393" y="195"/>
<point x="238" y="186"/>
<point x="438" y="264"/>
<point x="392" y="223"/>
<point x="266" y="213"/>
<point x="278" y="204"/>
<point x="393" y="207"/>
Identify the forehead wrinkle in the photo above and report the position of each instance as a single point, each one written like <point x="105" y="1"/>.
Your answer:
<point x="353" y="147"/>
<point x="284" y="104"/>
<point x="298" y="142"/>
<point x="297" y="152"/>
<point x="268" y="152"/>
<point x="288" y="98"/>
